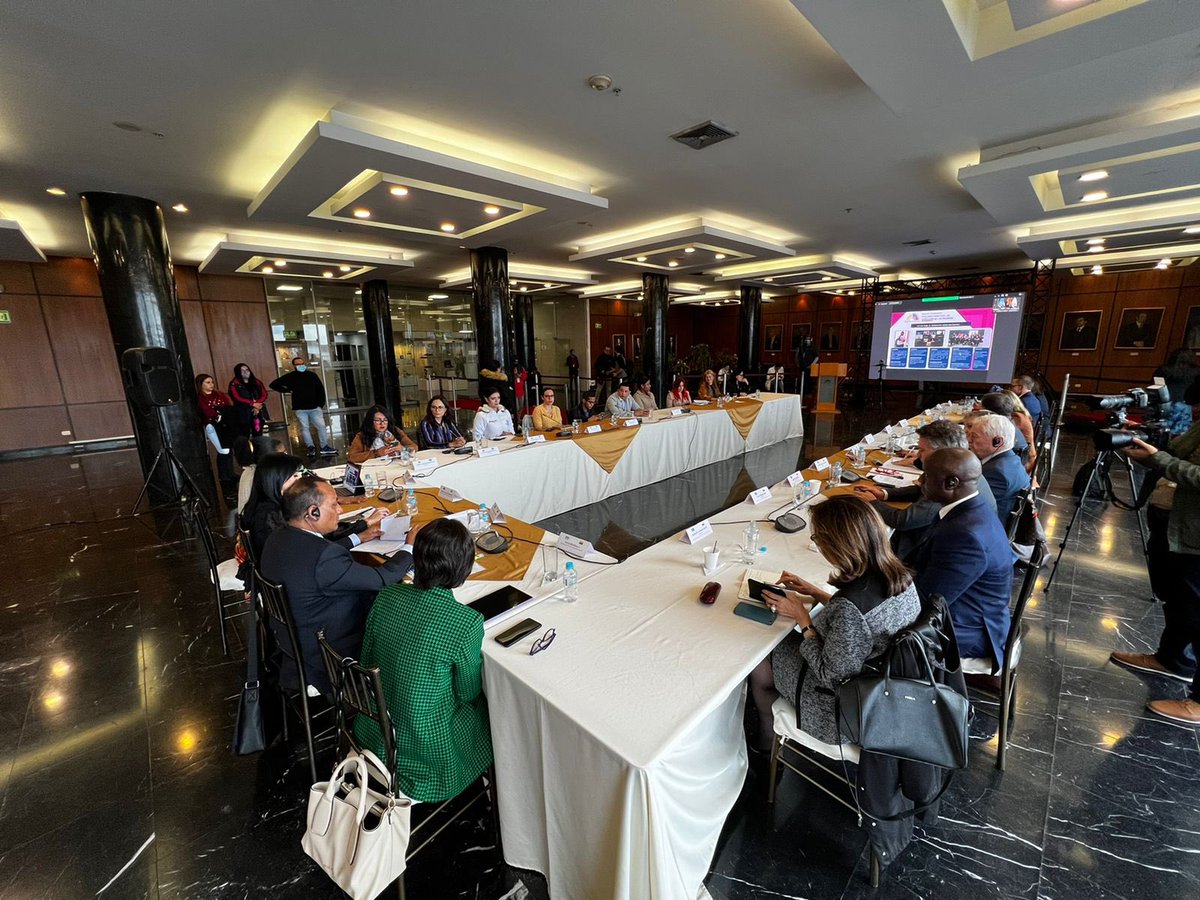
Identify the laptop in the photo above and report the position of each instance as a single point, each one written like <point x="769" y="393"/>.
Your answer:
<point x="351" y="482"/>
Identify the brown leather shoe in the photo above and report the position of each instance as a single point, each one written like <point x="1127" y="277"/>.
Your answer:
<point x="1146" y="662"/>
<point x="1185" y="711"/>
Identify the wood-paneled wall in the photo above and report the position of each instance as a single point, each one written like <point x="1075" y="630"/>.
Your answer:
<point x="61" y="380"/>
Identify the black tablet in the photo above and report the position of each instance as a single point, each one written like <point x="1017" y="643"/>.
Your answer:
<point x="498" y="602"/>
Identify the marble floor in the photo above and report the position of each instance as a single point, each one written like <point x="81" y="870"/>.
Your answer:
<point x="117" y="706"/>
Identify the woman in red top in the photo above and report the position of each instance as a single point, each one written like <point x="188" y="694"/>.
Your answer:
<point x="249" y="396"/>
<point x="215" y="409"/>
<point x="679" y="394"/>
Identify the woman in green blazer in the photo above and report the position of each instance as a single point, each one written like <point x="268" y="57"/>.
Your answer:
<point x="429" y="650"/>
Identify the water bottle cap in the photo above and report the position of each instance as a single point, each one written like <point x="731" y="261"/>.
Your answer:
<point x="571" y="566"/>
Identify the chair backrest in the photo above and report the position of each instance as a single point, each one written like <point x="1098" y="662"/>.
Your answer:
<point x="274" y="603"/>
<point x="333" y="667"/>
<point x="1036" y="560"/>
<point x="209" y="544"/>
<point x="1020" y="507"/>
<point x="248" y="545"/>
<point x="362" y="695"/>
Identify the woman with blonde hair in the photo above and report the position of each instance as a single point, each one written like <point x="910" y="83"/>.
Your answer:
<point x="874" y="598"/>
<point x="708" y="389"/>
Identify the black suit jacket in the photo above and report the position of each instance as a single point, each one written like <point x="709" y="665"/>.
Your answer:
<point x="326" y="589"/>
<point x="911" y="524"/>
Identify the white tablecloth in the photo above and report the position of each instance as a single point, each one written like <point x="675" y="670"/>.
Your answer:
<point x="540" y="480"/>
<point x="620" y="750"/>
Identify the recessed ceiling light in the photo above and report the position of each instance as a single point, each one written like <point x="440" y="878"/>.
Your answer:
<point x="827" y="278"/>
<point x="492" y="210"/>
<point x="362" y="213"/>
<point x="358" y="293"/>
<point x="1097" y="270"/>
<point x="289" y="288"/>
<point x="641" y="296"/>
<point x="267" y="269"/>
<point x="1094" y="175"/>
<point x="547" y="284"/>
<point x="1192" y="229"/>
<point x="447" y="226"/>
<point x="326" y="274"/>
<point x="56" y="191"/>
<point x="343" y="268"/>
<point x="179" y="208"/>
<point x="1094" y="242"/>
<point x="398" y="191"/>
<point x="641" y="259"/>
<point x="280" y="263"/>
<point x="673" y="263"/>
<point x="718" y="256"/>
<point x="439" y="296"/>
<point x="1099" y="248"/>
<point x="769" y="278"/>
<point x="689" y="249"/>
<point x="1163" y="263"/>
<point x="523" y="289"/>
<point x="1093" y="196"/>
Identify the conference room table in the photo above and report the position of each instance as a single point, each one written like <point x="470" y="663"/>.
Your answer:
<point x="620" y="748"/>
<point x="542" y="479"/>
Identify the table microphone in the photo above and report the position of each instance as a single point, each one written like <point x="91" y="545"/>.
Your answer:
<point x="491" y="542"/>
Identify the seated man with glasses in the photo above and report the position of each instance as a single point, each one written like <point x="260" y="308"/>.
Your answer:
<point x="429" y="650"/>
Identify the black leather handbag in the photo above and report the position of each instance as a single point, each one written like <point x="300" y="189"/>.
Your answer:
<point x="250" y="732"/>
<point x="913" y="718"/>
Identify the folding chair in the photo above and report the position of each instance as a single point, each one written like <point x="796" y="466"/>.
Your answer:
<point x="1012" y="655"/>
<point x="228" y="589"/>
<point x="359" y="692"/>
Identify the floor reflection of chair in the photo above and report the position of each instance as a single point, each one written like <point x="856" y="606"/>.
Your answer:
<point x="359" y="692"/>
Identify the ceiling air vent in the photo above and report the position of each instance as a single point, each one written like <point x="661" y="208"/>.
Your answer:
<point x="703" y="135"/>
<point x="920" y="243"/>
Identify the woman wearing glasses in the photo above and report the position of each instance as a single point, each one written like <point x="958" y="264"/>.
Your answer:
<point x="547" y="416"/>
<point x="429" y="650"/>
<point x="378" y="438"/>
<point x="436" y="432"/>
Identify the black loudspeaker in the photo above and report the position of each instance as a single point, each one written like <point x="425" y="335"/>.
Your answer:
<point x="151" y="376"/>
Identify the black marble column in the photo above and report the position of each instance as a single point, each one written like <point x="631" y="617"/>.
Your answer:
<point x="128" y="237"/>
<point x="381" y="348"/>
<point x="525" y="348"/>
<point x="748" y="327"/>
<point x="493" y="307"/>
<point x="656" y="301"/>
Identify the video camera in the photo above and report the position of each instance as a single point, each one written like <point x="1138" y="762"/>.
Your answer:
<point x="1117" y="435"/>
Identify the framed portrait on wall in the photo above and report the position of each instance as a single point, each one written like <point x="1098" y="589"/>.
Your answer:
<point x="637" y="346"/>
<point x="857" y="340"/>
<point x="800" y="330"/>
<point x="618" y="344"/>
<point x="831" y="336"/>
<point x="1191" y="330"/>
<point x="672" y="345"/>
<point x="1139" y="328"/>
<point x="1080" y="330"/>
<point x="773" y="338"/>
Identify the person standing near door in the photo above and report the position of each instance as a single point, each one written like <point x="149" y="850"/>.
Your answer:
<point x="308" y="403"/>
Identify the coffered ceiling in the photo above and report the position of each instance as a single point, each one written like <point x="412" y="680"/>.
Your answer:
<point x="871" y="137"/>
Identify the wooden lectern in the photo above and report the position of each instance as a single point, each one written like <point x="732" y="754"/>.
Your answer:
<point x="827" y="375"/>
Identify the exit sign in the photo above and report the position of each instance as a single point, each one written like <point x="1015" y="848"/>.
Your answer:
<point x="5" y="317"/>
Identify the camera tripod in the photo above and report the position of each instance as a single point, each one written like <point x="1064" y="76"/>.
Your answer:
<point x="179" y="475"/>
<point x="1101" y="475"/>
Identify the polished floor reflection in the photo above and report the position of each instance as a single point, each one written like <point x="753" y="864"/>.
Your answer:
<point x="116" y="709"/>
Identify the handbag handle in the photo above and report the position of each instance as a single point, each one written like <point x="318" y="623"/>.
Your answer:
<point x="923" y="654"/>
<point x="338" y="776"/>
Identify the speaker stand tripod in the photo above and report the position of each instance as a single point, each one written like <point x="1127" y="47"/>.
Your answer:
<point x="167" y="454"/>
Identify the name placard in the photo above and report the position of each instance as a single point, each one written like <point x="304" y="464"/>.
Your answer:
<point x="795" y="478"/>
<point x="536" y="439"/>
<point x="676" y="411"/>
<point x="593" y="429"/>
<point x="821" y="464"/>
<point x="697" y="532"/>
<point x="762" y="495"/>
<point x="632" y="423"/>
<point x="488" y="451"/>
<point x="424" y="465"/>
<point x="449" y="493"/>
<point x="890" y="428"/>
<point x="573" y="546"/>
<point x="497" y="516"/>
<point x="868" y="440"/>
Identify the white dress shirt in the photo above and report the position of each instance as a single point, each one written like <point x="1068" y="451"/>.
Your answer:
<point x="492" y="423"/>
<point x="949" y="506"/>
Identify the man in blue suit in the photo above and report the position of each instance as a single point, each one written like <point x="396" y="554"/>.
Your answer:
<point x="990" y="438"/>
<point x="965" y="557"/>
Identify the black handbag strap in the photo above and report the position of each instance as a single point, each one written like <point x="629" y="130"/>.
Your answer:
<point x="252" y="641"/>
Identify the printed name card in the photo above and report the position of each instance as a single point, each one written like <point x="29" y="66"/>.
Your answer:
<point x="762" y="495"/>
<point x="676" y="410"/>
<point x="536" y="439"/>
<point x="573" y="546"/>
<point x="488" y="451"/>
<point x="821" y="464"/>
<point x="868" y="440"/>
<point x="795" y="478"/>
<point x="449" y="493"/>
<point x="497" y="516"/>
<point x="890" y="428"/>
<point x="424" y="465"/>
<point x="632" y="423"/>
<point x="697" y="532"/>
<point x="592" y="429"/>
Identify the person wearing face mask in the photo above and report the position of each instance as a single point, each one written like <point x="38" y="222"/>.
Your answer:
<point x="308" y="402"/>
<point x="249" y="396"/>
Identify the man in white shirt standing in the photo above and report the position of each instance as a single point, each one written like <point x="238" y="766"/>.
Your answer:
<point x="493" y="420"/>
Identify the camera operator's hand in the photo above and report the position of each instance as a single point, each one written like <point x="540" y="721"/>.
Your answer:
<point x="1139" y="450"/>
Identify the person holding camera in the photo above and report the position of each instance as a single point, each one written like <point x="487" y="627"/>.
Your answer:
<point x="1175" y="568"/>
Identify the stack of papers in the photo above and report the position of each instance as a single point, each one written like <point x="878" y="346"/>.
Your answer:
<point x="894" y="477"/>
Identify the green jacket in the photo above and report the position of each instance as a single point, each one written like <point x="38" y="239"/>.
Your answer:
<point x="1180" y="463"/>
<point x="428" y="648"/>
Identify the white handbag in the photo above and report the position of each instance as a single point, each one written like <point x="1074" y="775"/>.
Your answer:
<point x="357" y="834"/>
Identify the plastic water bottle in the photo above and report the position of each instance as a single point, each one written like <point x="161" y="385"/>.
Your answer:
<point x="835" y="475"/>
<point x="750" y="542"/>
<point x="526" y="427"/>
<point x="405" y="455"/>
<point x="485" y="518"/>
<point x="570" y="583"/>
<point x="368" y="480"/>
<point x="410" y="502"/>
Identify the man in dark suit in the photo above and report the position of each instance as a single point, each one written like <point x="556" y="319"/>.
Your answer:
<point x="326" y="588"/>
<point x="966" y="557"/>
<point x="910" y="524"/>
<point x="1081" y="335"/>
<point x="1138" y="332"/>
<point x="990" y="438"/>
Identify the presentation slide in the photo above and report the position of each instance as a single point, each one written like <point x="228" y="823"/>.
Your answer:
<point x="961" y="338"/>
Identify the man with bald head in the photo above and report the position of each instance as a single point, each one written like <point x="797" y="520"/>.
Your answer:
<point x="965" y="557"/>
